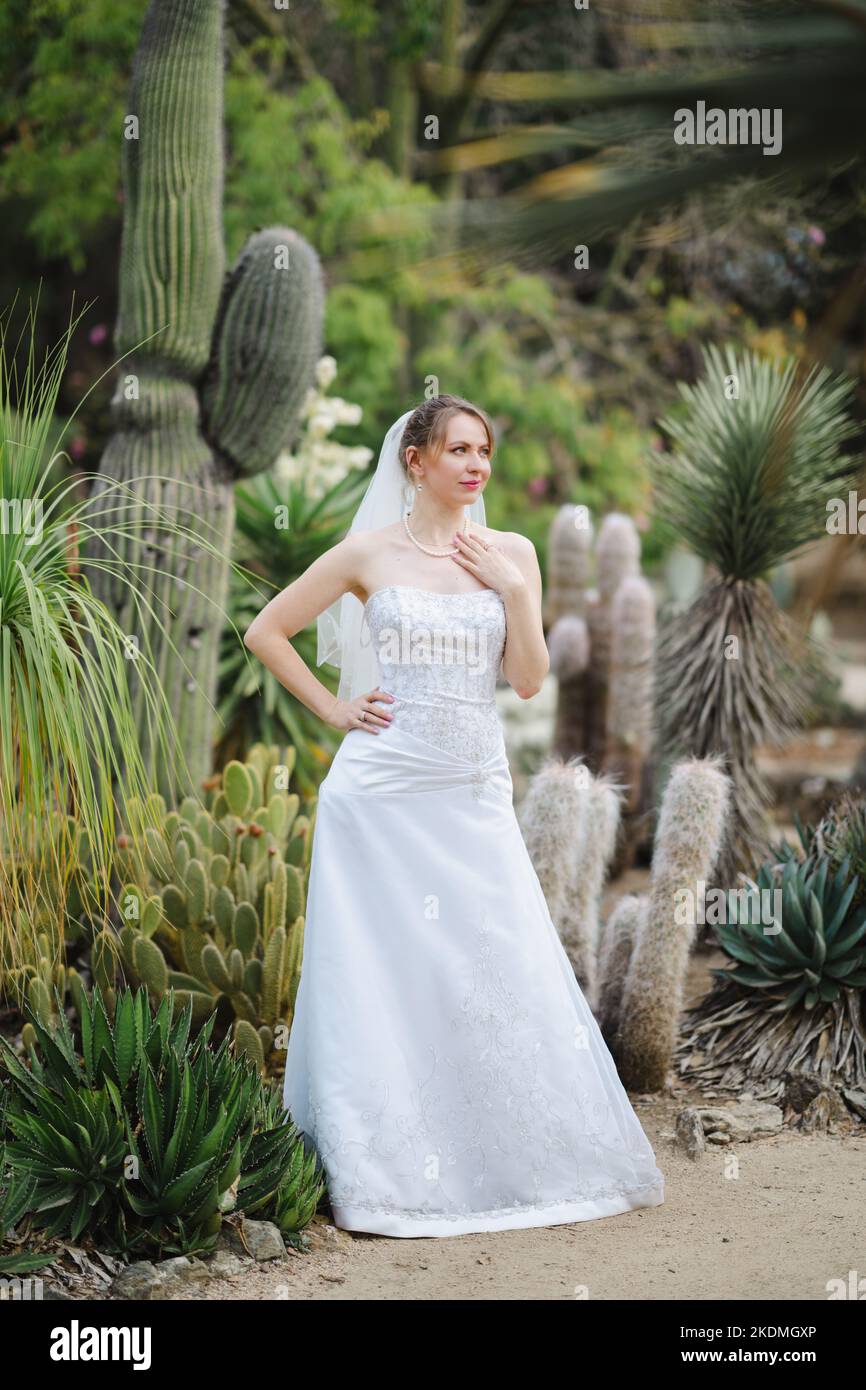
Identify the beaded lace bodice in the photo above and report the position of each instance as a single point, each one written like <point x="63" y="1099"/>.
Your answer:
<point x="439" y="655"/>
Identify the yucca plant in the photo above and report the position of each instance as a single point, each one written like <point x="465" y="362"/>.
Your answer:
<point x="793" y="999"/>
<point x="757" y="454"/>
<point x="147" y="1137"/>
<point x="70" y="753"/>
<point x="283" y="531"/>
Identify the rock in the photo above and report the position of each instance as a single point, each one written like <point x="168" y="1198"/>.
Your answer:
<point x="141" y="1280"/>
<point x="183" y="1270"/>
<point x="717" y="1136"/>
<point x="223" y="1264"/>
<point x="264" y="1240"/>
<point x="690" y="1132"/>
<point x="324" y="1236"/>
<point x="827" y="1108"/>
<point x="857" y="1102"/>
<point x="742" y="1121"/>
<point x="800" y="1090"/>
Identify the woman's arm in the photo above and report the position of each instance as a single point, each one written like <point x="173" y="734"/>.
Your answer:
<point x="327" y="579"/>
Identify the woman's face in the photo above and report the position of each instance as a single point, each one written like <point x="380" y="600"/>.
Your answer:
<point x="459" y="473"/>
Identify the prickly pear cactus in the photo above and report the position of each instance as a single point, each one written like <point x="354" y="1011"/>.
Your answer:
<point x="218" y="914"/>
<point x="214" y="373"/>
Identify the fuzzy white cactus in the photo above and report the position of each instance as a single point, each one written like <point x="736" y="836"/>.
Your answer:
<point x="689" y="838"/>
<point x="569" y="822"/>
<point x="569" y="562"/>
<point x="579" y="925"/>
<point x="552" y="817"/>
<point x="618" y="941"/>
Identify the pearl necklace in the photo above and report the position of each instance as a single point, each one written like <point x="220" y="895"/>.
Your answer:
<point x="426" y="548"/>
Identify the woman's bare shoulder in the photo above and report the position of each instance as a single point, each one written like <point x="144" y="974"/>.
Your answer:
<point x="512" y="542"/>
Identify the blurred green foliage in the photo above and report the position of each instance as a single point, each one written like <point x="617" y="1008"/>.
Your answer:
<point x="321" y="105"/>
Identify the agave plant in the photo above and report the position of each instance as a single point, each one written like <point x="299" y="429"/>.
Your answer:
<point x="147" y="1137"/>
<point x="756" y="455"/>
<point x="793" y="1002"/>
<point x="820" y="949"/>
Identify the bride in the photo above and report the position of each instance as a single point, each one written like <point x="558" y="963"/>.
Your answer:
<point x="442" y="1058"/>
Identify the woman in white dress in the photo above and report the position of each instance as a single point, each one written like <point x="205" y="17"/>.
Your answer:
<point x="442" y="1058"/>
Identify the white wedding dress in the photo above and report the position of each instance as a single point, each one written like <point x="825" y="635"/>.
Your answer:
<point x="443" y="1058"/>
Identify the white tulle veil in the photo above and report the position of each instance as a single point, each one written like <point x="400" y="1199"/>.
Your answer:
<point x="344" y="639"/>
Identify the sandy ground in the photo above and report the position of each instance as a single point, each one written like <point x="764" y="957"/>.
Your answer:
<point x="785" y="1217"/>
<point x="792" y="1218"/>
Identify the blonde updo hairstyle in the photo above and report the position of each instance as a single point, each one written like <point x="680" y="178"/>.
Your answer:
<point x="427" y="426"/>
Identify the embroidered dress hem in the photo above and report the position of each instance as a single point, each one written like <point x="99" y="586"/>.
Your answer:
<point x="380" y="1221"/>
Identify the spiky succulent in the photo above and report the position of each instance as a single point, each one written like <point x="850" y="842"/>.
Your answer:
<point x="758" y="448"/>
<point x="809" y="951"/>
<point x="148" y="1135"/>
<point x="841" y="834"/>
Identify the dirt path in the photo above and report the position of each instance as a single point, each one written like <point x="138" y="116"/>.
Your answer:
<point x="793" y="1218"/>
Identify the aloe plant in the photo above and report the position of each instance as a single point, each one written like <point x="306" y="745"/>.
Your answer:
<point x="148" y="1135"/>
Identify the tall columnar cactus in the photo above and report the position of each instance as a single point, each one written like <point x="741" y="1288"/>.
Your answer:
<point x="601" y="646"/>
<point x="618" y="941"/>
<point x="580" y="924"/>
<point x="617" y="559"/>
<point x="630" y="702"/>
<point x="688" y="840"/>
<point x="552" y="819"/>
<point x="218" y="369"/>
<point x="568" y="645"/>
<point x="569" y="563"/>
<point x="581" y="636"/>
<point x="569" y="821"/>
<point x="218" y="914"/>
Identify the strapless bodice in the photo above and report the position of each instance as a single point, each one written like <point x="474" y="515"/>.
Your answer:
<point x="439" y="655"/>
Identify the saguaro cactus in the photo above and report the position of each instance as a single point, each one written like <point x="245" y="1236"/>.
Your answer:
<point x="217" y="371"/>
